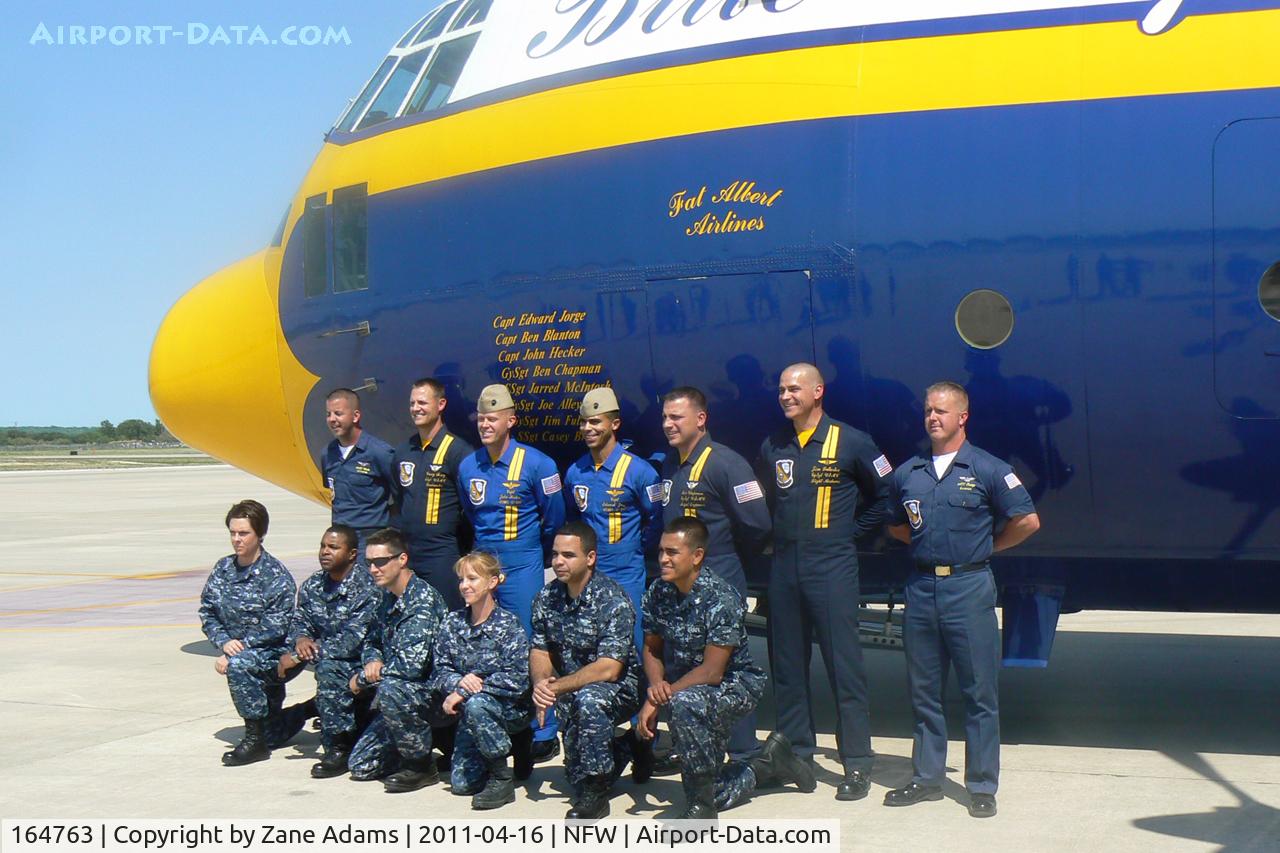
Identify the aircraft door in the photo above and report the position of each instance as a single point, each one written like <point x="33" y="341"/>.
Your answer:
<point x="1246" y="270"/>
<point x="730" y="335"/>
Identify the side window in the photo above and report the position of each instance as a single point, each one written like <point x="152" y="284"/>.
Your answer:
<point x="350" y="238"/>
<point x="348" y="121"/>
<point x="388" y="100"/>
<point x="315" y="260"/>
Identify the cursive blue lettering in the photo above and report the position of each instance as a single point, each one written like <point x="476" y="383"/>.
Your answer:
<point x="588" y="17"/>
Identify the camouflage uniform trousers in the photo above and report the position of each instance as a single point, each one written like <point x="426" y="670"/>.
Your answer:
<point x="484" y="734"/>
<point x="587" y="717"/>
<point x="702" y="718"/>
<point x="257" y="692"/>
<point x="401" y="728"/>
<point x="340" y="710"/>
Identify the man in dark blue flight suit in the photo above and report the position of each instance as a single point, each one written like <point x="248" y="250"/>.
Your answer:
<point x="426" y="494"/>
<point x="358" y="469"/>
<point x="511" y="493"/>
<point x="618" y="494"/>
<point x="946" y="509"/>
<point x="827" y="486"/>
<point x="706" y="480"/>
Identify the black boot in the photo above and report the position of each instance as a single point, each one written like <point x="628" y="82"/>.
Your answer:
<point x="414" y="773"/>
<point x="700" y="796"/>
<point x="641" y="758"/>
<point x="252" y="747"/>
<point x="442" y="739"/>
<point x="499" y="790"/>
<point x="777" y="764"/>
<point x="522" y="753"/>
<point x="593" y="804"/>
<point x="334" y="761"/>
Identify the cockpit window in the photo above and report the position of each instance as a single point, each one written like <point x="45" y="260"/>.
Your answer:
<point x="446" y="67"/>
<point x="348" y="121"/>
<point x="438" y="22"/>
<point x="404" y="42"/>
<point x="387" y="104"/>
<point x="474" y="13"/>
<point x="424" y="67"/>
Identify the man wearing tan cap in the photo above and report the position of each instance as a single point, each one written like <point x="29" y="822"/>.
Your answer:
<point x="511" y="494"/>
<point x="618" y="494"/>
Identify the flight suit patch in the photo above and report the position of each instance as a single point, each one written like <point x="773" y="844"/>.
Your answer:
<point x="580" y="495"/>
<point x="784" y="469"/>
<point x="666" y="492"/>
<point x="364" y="468"/>
<point x="406" y="473"/>
<point x="477" y="489"/>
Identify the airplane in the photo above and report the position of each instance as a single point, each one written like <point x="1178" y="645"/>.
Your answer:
<point x="1070" y="206"/>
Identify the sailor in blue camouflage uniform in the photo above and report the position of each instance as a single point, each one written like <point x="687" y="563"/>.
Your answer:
<point x="397" y="657"/>
<point x="245" y="609"/>
<point x="482" y="673"/>
<point x="948" y="510"/>
<point x="358" y="469"/>
<point x="426" y="493"/>
<point x="511" y="494"/>
<point x="584" y="663"/>
<point x="828" y="484"/>
<point x="618" y="494"/>
<point x="706" y="480"/>
<point x="711" y="680"/>
<point x="337" y="607"/>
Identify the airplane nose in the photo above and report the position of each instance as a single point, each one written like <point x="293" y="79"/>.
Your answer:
<point x="224" y="380"/>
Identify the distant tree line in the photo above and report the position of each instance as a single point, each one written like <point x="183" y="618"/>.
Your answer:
<point x="132" y="429"/>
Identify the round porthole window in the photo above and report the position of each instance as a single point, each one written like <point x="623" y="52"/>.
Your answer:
<point x="1269" y="291"/>
<point x="984" y="319"/>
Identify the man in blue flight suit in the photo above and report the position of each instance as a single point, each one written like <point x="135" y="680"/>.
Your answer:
<point x="337" y="607"/>
<point x="946" y="509"/>
<point x="511" y="494"/>
<point x="706" y="480"/>
<point x="618" y="494"/>
<point x="828" y="485"/>
<point x="426" y="466"/>
<point x="584" y="663"/>
<point x="245" y="609"/>
<point x="358" y="469"/>
<point x="694" y="619"/>
<point x="397" y="656"/>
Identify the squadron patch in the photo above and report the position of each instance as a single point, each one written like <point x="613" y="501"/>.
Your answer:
<point x="785" y="471"/>
<point x="666" y="492"/>
<point x="580" y="495"/>
<point x="913" y="513"/>
<point x="476" y="490"/>
<point x="1011" y="480"/>
<point x="406" y="473"/>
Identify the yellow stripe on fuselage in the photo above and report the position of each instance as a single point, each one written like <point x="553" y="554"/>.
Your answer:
<point x="1055" y="64"/>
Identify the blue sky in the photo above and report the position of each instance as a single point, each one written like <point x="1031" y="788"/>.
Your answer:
<point x="130" y="172"/>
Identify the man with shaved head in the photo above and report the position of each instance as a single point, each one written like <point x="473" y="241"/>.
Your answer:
<point x="358" y="469"/>
<point x="828" y="485"/>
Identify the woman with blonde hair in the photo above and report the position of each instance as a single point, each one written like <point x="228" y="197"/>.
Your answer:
<point x="482" y="675"/>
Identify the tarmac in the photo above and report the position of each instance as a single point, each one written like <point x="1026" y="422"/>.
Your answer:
<point x="1148" y="731"/>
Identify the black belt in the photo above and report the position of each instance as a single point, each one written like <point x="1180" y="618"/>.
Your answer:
<point x="946" y="571"/>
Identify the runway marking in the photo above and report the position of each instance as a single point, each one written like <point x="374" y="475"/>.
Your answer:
<point x="25" y="630"/>
<point x="101" y="606"/>
<point x="138" y="576"/>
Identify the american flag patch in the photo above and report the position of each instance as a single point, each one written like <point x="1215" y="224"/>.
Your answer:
<point x="1012" y="481"/>
<point x="655" y="493"/>
<point x="748" y="492"/>
<point x="883" y="468"/>
<point x="551" y="485"/>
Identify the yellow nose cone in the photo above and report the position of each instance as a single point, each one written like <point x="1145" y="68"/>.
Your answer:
<point x="224" y="380"/>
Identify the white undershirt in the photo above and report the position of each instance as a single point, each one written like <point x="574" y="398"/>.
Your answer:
<point x="346" y="451"/>
<point x="943" y="462"/>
